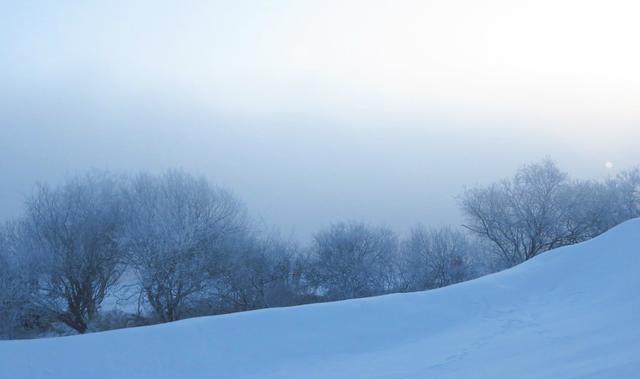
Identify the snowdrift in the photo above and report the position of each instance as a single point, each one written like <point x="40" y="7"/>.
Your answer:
<point x="570" y="313"/>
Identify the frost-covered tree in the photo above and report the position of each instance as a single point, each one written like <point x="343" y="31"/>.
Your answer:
<point x="354" y="260"/>
<point x="540" y="208"/>
<point x="259" y="274"/>
<point x="72" y="230"/>
<point x="523" y="216"/>
<point x="16" y="291"/>
<point x="177" y="233"/>
<point x="624" y="190"/>
<point x="432" y="258"/>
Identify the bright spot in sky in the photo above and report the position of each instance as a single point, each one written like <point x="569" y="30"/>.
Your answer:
<point x="364" y="93"/>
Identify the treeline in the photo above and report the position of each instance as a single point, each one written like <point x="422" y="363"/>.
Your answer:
<point x="173" y="246"/>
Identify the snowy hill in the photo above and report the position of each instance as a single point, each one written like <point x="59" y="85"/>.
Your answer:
<point x="570" y="313"/>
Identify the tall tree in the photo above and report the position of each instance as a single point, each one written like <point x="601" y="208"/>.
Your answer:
<point x="177" y="231"/>
<point x="74" y="230"/>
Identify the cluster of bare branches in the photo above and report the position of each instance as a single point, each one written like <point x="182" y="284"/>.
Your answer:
<point x="541" y="208"/>
<point x="176" y="246"/>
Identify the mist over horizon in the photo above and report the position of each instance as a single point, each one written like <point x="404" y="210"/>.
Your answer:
<point x="318" y="112"/>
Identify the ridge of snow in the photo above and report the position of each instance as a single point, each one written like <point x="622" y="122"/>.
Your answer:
<point x="572" y="312"/>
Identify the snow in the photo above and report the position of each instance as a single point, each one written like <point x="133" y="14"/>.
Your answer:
<point x="569" y="313"/>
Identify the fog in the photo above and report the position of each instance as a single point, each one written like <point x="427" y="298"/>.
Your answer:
<point x="316" y="112"/>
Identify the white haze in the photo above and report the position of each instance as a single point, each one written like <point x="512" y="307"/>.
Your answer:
<point x="318" y="111"/>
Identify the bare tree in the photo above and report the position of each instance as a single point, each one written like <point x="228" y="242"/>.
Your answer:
<point x="524" y="216"/>
<point x="540" y="208"/>
<point x="15" y="290"/>
<point x="590" y="210"/>
<point x="73" y="229"/>
<point x="624" y="189"/>
<point x="354" y="260"/>
<point x="433" y="258"/>
<point x="176" y="236"/>
<point x="259" y="274"/>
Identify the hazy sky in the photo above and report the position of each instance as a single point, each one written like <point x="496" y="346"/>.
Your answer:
<point x="318" y="111"/>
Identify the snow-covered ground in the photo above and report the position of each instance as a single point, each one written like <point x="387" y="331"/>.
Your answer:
<point x="570" y="313"/>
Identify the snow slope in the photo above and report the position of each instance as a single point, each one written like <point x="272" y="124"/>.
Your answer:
<point x="570" y="313"/>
